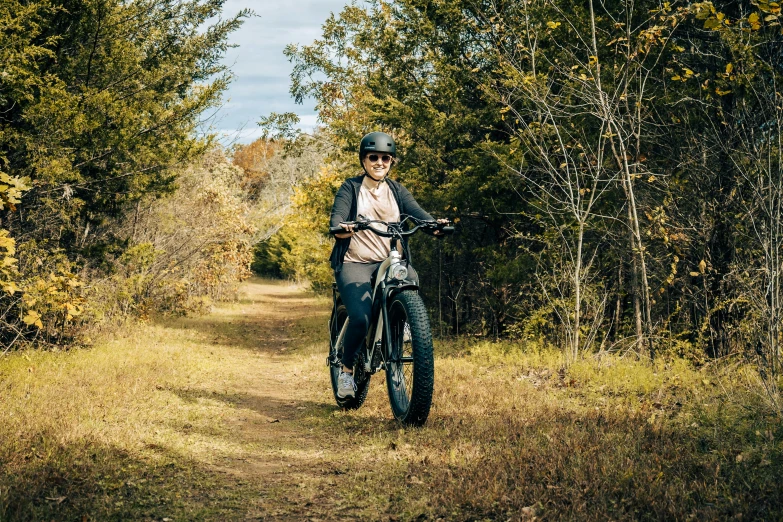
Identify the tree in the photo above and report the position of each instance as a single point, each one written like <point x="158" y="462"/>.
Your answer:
<point x="119" y="90"/>
<point x="617" y="150"/>
<point x="99" y="100"/>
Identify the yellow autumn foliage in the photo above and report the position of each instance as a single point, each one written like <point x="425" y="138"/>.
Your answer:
<point x="187" y="250"/>
<point x="307" y="255"/>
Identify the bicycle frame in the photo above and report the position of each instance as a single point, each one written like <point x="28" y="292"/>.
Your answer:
<point x="398" y="338"/>
<point x="378" y="334"/>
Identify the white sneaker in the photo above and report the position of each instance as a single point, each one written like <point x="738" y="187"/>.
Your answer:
<point x="345" y="385"/>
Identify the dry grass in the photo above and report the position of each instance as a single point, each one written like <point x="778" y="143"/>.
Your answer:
<point x="230" y="416"/>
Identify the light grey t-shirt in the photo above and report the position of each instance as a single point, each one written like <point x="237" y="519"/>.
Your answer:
<point x="378" y="203"/>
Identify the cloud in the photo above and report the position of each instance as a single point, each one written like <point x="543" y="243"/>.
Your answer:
<point x="230" y="136"/>
<point x="308" y="121"/>
<point x="261" y="71"/>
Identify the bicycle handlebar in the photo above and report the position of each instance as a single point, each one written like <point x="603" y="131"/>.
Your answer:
<point x="396" y="230"/>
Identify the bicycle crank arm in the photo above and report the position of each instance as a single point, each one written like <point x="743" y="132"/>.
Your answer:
<point x="332" y="360"/>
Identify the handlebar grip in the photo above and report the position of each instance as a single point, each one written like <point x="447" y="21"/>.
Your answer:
<point x="447" y="230"/>
<point x="336" y="230"/>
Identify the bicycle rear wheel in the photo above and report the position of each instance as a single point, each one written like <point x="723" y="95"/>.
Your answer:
<point x="410" y="371"/>
<point x="363" y="383"/>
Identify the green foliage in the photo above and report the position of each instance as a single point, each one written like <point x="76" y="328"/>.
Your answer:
<point x="116" y="101"/>
<point x="100" y="100"/>
<point x="268" y="257"/>
<point x="613" y="170"/>
<point x="410" y="70"/>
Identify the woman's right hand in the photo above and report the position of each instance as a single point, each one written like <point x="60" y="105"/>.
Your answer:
<point x="350" y="231"/>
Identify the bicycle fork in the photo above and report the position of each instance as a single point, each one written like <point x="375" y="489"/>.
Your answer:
<point x="369" y="366"/>
<point x="332" y="359"/>
<point x="373" y="354"/>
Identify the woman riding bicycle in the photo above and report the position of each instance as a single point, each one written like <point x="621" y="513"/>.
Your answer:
<point x="358" y="254"/>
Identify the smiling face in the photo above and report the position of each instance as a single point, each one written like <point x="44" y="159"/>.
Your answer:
<point x="377" y="169"/>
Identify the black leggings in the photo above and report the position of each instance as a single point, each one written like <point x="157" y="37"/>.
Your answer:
<point x="353" y="283"/>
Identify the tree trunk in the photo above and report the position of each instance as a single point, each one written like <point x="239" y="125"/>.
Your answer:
<point x="618" y="309"/>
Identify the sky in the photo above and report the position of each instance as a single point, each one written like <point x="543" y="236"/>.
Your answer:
<point x="261" y="72"/>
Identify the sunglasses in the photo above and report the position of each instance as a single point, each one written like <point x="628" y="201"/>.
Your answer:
<point x="374" y="157"/>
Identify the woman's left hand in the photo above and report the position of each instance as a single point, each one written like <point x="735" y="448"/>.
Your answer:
<point x="442" y="221"/>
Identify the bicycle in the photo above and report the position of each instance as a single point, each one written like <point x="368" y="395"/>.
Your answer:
<point x="399" y="339"/>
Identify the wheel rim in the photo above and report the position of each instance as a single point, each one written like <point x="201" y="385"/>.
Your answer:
<point x="401" y="360"/>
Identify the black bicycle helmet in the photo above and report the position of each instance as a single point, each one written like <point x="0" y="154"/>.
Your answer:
<point x="377" y="142"/>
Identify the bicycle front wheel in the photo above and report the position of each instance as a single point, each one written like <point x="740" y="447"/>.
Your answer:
<point x="410" y="371"/>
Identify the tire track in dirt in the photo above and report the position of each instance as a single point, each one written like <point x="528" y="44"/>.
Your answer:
<point x="276" y="327"/>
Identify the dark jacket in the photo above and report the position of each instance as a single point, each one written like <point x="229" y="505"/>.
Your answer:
<point x="344" y="209"/>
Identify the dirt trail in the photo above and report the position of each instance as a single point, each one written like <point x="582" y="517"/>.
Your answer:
<point x="227" y="416"/>
<point x="280" y="331"/>
<point x="299" y="457"/>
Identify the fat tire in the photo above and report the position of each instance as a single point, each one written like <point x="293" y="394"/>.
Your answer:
<point x="363" y="386"/>
<point x="412" y="406"/>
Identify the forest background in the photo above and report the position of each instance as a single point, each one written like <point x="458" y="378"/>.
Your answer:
<point x="613" y="169"/>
